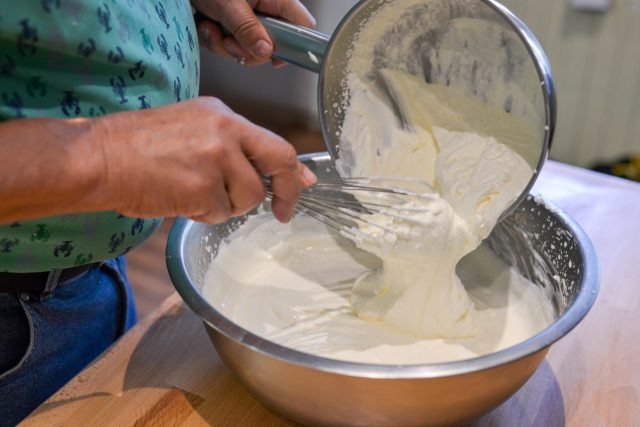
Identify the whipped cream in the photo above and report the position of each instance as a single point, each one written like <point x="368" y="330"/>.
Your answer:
<point x="292" y="284"/>
<point x="442" y="138"/>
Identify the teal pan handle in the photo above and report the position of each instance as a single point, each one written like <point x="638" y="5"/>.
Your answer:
<point x="297" y="45"/>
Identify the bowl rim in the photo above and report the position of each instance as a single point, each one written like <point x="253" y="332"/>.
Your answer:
<point x="578" y="309"/>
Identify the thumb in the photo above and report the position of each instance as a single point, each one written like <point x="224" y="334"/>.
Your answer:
<point x="241" y="21"/>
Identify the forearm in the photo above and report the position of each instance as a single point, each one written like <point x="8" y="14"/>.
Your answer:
<point x="197" y="159"/>
<point x="49" y="167"/>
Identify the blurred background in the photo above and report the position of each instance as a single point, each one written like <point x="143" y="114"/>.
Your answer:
<point x="593" y="47"/>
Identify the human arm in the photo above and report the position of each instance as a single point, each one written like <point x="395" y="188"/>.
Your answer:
<point x="196" y="159"/>
<point x="249" y="42"/>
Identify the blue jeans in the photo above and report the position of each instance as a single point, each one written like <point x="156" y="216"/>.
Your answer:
<point x="43" y="344"/>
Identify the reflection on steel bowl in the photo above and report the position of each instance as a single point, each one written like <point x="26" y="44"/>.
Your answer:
<point x="544" y="244"/>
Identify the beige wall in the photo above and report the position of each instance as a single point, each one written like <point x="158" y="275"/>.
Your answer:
<point x="596" y="63"/>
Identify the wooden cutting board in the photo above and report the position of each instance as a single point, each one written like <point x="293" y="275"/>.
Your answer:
<point x="166" y="372"/>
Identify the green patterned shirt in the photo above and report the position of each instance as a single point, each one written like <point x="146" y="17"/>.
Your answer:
<point x="85" y="58"/>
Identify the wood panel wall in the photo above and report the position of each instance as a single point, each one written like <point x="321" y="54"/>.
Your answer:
<point x="596" y="64"/>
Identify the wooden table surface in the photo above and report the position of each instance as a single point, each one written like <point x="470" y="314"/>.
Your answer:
<point x="166" y="372"/>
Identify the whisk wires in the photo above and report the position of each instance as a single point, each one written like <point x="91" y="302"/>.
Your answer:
<point x="343" y="204"/>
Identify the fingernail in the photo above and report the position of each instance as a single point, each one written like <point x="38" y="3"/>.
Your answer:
<point x="261" y="49"/>
<point x="278" y="64"/>
<point x="234" y="53"/>
<point x="281" y="215"/>
<point x="309" y="177"/>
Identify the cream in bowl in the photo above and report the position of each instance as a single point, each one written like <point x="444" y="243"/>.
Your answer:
<point x="391" y="293"/>
<point x="292" y="285"/>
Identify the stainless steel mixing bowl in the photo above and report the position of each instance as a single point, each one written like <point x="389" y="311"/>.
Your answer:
<point x="543" y="243"/>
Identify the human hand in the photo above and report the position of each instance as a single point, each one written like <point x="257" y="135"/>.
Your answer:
<point x="250" y="43"/>
<point x="197" y="159"/>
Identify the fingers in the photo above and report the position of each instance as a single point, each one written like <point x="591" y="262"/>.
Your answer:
<point x="250" y="36"/>
<point x="210" y="35"/>
<point x="308" y="178"/>
<point x="272" y="156"/>
<point x="238" y="53"/>
<point x="220" y="206"/>
<point x="250" y="43"/>
<point x="281" y="165"/>
<point x="244" y="186"/>
<point x="237" y="159"/>
<point x="278" y="63"/>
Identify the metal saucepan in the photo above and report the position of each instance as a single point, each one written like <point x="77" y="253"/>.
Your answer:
<point x="431" y="28"/>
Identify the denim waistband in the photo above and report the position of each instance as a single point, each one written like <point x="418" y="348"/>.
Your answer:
<point x="40" y="283"/>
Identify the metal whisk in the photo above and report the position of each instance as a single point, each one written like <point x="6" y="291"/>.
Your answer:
<point x="342" y="204"/>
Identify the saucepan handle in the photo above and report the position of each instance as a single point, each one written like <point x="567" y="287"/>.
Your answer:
<point x="298" y="45"/>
